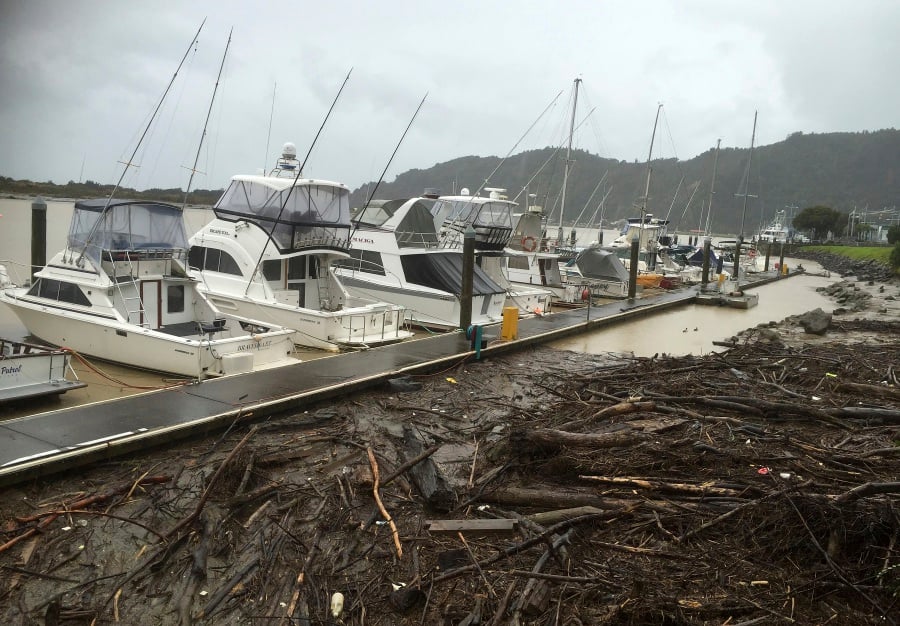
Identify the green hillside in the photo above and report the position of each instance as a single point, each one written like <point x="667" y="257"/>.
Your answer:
<point x="837" y="170"/>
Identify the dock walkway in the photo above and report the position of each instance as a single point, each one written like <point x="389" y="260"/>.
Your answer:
<point x="50" y="442"/>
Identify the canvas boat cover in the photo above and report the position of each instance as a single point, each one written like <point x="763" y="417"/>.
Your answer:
<point x="415" y="228"/>
<point x="125" y="226"/>
<point x="310" y="214"/>
<point x="443" y="271"/>
<point x="601" y="265"/>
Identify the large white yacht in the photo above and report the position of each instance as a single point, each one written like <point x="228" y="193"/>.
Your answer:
<point x="120" y="291"/>
<point x="396" y="255"/>
<point x="269" y="252"/>
<point x="491" y="219"/>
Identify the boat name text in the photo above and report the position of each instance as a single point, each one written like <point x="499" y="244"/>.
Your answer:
<point x="10" y="370"/>
<point x="256" y="345"/>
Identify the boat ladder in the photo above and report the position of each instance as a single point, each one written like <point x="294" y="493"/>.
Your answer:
<point x="131" y="295"/>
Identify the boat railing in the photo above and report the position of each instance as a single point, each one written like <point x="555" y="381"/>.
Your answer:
<point x="410" y="239"/>
<point x="14" y="274"/>
<point x="327" y="241"/>
<point x="374" y="326"/>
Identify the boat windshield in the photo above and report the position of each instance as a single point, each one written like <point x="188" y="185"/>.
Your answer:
<point x="476" y="213"/>
<point x="307" y="215"/>
<point x="125" y="227"/>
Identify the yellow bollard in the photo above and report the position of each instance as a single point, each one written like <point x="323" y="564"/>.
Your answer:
<point x="509" y="329"/>
<point x="784" y="269"/>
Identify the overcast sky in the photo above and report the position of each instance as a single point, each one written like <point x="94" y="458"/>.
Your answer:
<point x="80" y="79"/>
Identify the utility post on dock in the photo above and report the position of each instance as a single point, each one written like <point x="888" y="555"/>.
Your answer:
<point x="38" y="236"/>
<point x="633" y="268"/>
<point x="468" y="273"/>
<point x="707" y="244"/>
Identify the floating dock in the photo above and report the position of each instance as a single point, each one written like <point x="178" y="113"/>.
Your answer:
<point x="50" y="442"/>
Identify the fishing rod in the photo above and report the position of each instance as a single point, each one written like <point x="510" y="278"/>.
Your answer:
<point x="525" y="134"/>
<point x="393" y="154"/>
<point x="187" y="189"/>
<point x="130" y="161"/>
<point x="290" y="189"/>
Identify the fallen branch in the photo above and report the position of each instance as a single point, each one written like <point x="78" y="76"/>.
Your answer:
<point x="384" y="512"/>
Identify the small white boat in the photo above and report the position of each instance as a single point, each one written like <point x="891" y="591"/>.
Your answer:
<point x="269" y="255"/>
<point x="777" y="230"/>
<point x="28" y="370"/>
<point x="396" y="256"/>
<point x="120" y="291"/>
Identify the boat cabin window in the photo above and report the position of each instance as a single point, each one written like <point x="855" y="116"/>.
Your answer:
<point x="363" y="261"/>
<point x="518" y="262"/>
<point x="313" y="267"/>
<point x="59" y="290"/>
<point x="297" y="268"/>
<point x="272" y="269"/>
<point x="175" y="299"/>
<point x="214" y="260"/>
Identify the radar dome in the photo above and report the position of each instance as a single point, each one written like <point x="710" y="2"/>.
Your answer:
<point x="289" y="151"/>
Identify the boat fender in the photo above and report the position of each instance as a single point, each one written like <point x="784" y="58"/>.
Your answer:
<point x="529" y="243"/>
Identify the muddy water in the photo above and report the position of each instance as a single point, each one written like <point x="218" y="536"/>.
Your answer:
<point x="693" y="328"/>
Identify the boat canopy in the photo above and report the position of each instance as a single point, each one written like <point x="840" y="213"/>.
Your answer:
<point x="475" y="211"/>
<point x="124" y="226"/>
<point x="444" y="271"/>
<point x="413" y="226"/>
<point x="309" y="214"/>
<point x="600" y="264"/>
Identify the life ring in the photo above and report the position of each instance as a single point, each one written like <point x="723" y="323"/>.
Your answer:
<point x="529" y="243"/>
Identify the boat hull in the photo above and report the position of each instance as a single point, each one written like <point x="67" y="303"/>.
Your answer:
<point x="29" y="371"/>
<point x="358" y="327"/>
<point x="110" y="340"/>
<point x="432" y="309"/>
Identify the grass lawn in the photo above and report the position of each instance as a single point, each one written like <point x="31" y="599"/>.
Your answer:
<point x="882" y="254"/>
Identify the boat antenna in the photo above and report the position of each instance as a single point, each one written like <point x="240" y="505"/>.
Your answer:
<point x="712" y="188"/>
<point x="747" y="185"/>
<point x="551" y="157"/>
<point x="130" y="161"/>
<point x="290" y="189"/>
<point x="504" y="159"/>
<point x="562" y="202"/>
<point x="271" y="115"/>
<point x="649" y="172"/>
<point x="212" y="99"/>
<point x="590" y="197"/>
<point x="393" y="154"/>
<point x="324" y="121"/>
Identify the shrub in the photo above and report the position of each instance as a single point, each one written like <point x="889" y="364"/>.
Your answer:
<point x="895" y="256"/>
<point x="893" y="235"/>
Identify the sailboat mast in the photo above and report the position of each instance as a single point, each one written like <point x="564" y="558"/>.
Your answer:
<point x="649" y="172"/>
<point x="187" y="190"/>
<point x="712" y="187"/>
<point x="562" y="202"/>
<point x="747" y="187"/>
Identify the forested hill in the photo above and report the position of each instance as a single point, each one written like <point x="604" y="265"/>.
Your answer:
<point x="838" y="170"/>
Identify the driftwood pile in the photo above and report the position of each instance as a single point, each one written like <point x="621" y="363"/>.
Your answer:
<point x="754" y="486"/>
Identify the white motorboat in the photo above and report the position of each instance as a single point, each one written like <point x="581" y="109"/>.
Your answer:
<point x="269" y="255"/>
<point x="777" y="230"/>
<point x="120" y="291"/>
<point x="396" y="255"/>
<point x="491" y="219"/>
<point x="28" y="370"/>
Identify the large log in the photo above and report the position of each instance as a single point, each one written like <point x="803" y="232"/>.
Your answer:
<point x="427" y="476"/>
<point x="550" y="439"/>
